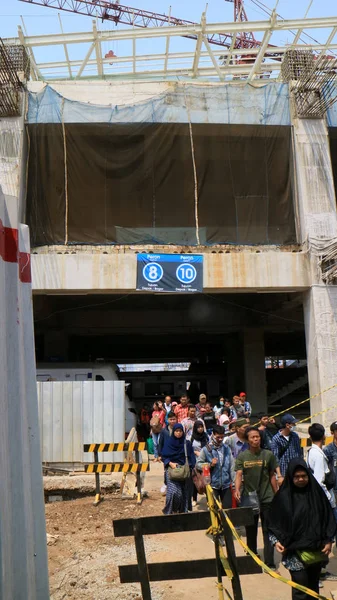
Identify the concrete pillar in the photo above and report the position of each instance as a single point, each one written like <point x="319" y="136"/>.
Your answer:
<point x="317" y="222"/>
<point x="315" y="195"/>
<point x="320" y="314"/>
<point x="255" y="372"/>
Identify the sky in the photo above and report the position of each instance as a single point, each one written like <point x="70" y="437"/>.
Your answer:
<point x="43" y="20"/>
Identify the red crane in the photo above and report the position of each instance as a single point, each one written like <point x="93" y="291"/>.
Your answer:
<point x="117" y="13"/>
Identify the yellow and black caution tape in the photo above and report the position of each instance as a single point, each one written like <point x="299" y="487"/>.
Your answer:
<point x="321" y="412"/>
<point x="116" y="467"/>
<point x="306" y="400"/>
<point x="266" y="569"/>
<point x="115" y="447"/>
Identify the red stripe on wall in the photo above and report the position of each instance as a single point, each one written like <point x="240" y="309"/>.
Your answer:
<point x="8" y="243"/>
<point x="24" y="267"/>
<point x="9" y="252"/>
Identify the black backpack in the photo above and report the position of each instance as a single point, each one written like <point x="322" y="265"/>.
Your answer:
<point x="330" y="477"/>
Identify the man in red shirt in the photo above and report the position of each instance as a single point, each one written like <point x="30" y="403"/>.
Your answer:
<point x="181" y="410"/>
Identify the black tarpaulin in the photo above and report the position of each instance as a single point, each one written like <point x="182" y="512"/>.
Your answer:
<point x="160" y="184"/>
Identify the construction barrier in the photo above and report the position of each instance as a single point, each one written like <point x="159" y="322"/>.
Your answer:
<point x="119" y="447"/>
<point x="129" y="466"/>
<point x="116" y="468"/>
<point x="231" y="565"/>
<point x="306" y="442"/>
<point x="23" y="547"/>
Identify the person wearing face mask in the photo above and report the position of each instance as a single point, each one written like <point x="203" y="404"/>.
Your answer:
<point x="286" y="443"/>
<point x="218" y="407"/>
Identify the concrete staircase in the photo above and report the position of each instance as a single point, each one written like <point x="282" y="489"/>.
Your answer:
<point x="288" y="389"/>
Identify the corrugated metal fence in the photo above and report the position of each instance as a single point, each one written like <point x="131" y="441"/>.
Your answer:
<point x="73" y="413"/>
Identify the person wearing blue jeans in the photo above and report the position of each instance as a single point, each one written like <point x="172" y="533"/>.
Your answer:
<point x="330" y="452"/>
<point x="156" y="432"/>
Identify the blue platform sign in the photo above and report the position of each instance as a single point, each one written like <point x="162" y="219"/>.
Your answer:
<point x="170" y="272"/>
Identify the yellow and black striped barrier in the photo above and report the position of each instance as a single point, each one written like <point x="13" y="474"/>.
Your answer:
<point x="116" y="467"/>
<point x="306" y="442"/>
<point x="116" y="447"/>
<point x="266" y="569"/>
<point x="128" y="466"/>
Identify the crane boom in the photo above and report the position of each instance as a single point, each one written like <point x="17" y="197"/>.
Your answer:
<point x="118" y="13"/>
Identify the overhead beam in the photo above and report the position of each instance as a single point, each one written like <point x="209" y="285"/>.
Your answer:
<point x="213" y="59"/>
<point x="239" y="70"/>
<point x="230" y="52"/>
<point x="85" y="61"/>
<point x="65" y="49"/>
<point x="167" y="48"/>
<point x="198" y="46"/>
<point x="134" y="63"/>
<point x="266" y="39"/>
<point x="34" y="71"/>
<point x="327" y="45"/>
<point x="153" y="32"/>
<point x="98" y="50"/>
<point x="177" y="56"/>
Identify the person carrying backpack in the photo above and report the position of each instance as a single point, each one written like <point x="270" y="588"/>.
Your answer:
<point x="319" y="464"/>
<point x="330" y="452"/>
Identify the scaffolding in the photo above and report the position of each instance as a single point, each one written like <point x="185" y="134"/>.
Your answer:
<point x="313" y="81"/>
<point x="11" y="62"/>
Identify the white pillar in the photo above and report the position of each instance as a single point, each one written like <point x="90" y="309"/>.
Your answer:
<point x="255" y="372"/>
<point x="316" y="203"/>
<point x="317" y="223"/>
<point x="320" y="315"/>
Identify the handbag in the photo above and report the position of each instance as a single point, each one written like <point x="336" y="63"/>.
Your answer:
<point x="181" y="472"/>
<point x="199" y="481"/>
<point x="251" y="499"/>
<point x="310" y="557"/>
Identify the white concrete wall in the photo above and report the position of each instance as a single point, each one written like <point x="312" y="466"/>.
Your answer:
<point x="23" y="547"/>
<point x="316" y="206"/>
<point x="317" y="223"/>
<point x="320" y="314"/>
<point x="236" y="270"/>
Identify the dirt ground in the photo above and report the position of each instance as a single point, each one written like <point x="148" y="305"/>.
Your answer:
<point x="84" y="555"/>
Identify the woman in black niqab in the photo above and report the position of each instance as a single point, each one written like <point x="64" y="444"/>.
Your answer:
<point x="301" y="518"/>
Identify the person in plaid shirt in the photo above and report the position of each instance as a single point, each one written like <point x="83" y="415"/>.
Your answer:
<point x="286" y="443"/>
<point x="188" y="423"/>
<point x="181" y="410"/>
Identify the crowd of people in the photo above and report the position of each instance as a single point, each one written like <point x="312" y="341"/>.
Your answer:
<point x="259" y="465"/>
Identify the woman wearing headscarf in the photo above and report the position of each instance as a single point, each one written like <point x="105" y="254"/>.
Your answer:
<point x="199" y="439"/>
<point x="176" y="449"/>
<point x="302" y="526"/>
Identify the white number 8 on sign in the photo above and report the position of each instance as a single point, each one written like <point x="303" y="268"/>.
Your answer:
<point x="153" y="272"/>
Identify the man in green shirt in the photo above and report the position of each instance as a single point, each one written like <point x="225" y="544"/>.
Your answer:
<point x="255" y="472"/>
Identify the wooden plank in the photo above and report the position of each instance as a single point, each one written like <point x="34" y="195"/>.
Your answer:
<point x="183" y="522"/>
<point x="143" y="575"/>
<point x="194" y="569"/>
<point x="233" y="560"/>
